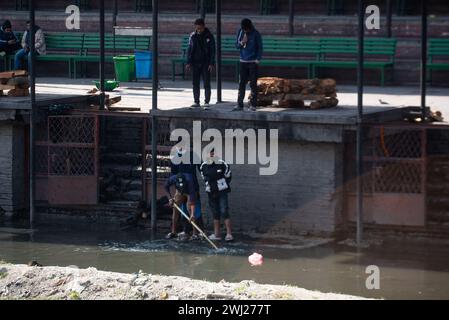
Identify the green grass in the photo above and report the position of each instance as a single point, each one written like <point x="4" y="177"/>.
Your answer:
<point x="74" y="295"/>
<point x="3" y="274"/>
<point x="283" y="296"/>
<point x="241" y="289"/>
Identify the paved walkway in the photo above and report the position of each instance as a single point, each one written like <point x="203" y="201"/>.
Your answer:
<point x="179" y="94"/>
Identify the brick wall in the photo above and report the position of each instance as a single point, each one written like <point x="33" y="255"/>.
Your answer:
<point x="243" y="7"/>
<point x="6" y="165"/>
<point x="304" y="196"/>
<point x="172" y="26"/>
<point x="298" y="199"/>
<point x="11" y="168"/>
<point x="123" y="134"/>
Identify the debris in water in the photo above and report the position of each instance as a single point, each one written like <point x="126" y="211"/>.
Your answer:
<point x="255" y="259"/>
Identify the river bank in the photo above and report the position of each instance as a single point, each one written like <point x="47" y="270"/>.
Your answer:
<point x="65" y="283"/>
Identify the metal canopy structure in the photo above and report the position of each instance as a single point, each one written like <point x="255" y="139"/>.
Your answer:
<point x="155" y="13"/>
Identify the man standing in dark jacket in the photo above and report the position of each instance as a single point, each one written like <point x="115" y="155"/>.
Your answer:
<point x="201" y="60"/>
<point x="8" y="40"/>
<point x="217" y="176"/>
<point x="249" y="42"/>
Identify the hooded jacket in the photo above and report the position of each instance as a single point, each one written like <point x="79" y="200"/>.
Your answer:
<point x="253" y="49"/>
<point x="5" y="37"/>
<point x="201" y="48"/>
<point x="217" y="177"/>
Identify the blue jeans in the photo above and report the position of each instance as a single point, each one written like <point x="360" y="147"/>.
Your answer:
<point x="20" y="56"/>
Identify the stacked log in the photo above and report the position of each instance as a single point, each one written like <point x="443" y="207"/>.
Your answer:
<point x="293" y="93"/>
<point x="16" y="83"/>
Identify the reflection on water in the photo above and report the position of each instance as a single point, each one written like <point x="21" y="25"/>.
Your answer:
<point x="407" y="270"/>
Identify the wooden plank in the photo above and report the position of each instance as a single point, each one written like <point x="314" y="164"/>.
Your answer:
<point x="6" y="87"/>
<point x="116" y="108"/>
<point x="12" y="74"/>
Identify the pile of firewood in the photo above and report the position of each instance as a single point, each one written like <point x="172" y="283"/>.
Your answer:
<point x="293" y="93"/>
<point x="16" y="83"/>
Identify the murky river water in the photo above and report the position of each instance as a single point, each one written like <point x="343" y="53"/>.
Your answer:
<point x="415" y="271"/>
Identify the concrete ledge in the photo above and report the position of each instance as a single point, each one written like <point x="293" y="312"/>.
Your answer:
<point x="342" y="115"/>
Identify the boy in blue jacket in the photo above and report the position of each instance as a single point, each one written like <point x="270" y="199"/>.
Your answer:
<point x="8" y="40"/>
<point x="249" y="42"/>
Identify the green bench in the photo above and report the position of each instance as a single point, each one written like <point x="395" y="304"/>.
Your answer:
<point x="278" y="52"/>
<point x="342" y="53"/>
<point x="74" y="48"/>
<point x="298" y="52"/>
<point x="63" y="47"/>
<point x="438" y="55"/>
<point x="113" y="46"/>
<point x="229" y="56"/>
<point x="309" y="53"/>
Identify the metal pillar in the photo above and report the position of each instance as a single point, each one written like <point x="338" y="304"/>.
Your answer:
<point x="291" y="17"/>
<point x="114" y="21"/>
<point x="389" y="6"/>
<point x="423" y="57"/>
<point x="360" y="60"/>
<point x="32" y="71"/>
<point x="153" y="118"/>
<point x="114" y="17"/>
<point x="218" y="56"/>
<point x="102" y="54"/>
<point x="202" y="9"/>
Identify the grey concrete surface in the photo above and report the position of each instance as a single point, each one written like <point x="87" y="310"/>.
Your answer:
<point x="178" y="94"/>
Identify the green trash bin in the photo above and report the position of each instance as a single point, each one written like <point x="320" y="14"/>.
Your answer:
<point x="125" y="68"/>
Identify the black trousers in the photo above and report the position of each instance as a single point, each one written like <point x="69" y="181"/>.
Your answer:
<point x="201" y="71"/>
<point x="248" y="72"/>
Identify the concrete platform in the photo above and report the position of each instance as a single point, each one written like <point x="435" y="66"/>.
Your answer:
<point x="342" y="115"/>
<point x="175" y="95"/>
<point x="42" y="99"/>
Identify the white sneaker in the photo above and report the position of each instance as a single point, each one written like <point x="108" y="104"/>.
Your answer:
<point x="206" y="106"/>
<point x="182" y="236"/>
<point x="229" y="238"/>
<point x="213" y="237"/>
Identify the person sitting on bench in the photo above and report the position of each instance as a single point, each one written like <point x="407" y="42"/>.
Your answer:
<point x="24" y="53"/>
<point x="9" y="43"/>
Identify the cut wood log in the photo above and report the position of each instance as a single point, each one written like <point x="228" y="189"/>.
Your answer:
<point x="291" y="93"/>
<point x="93" y="91"/>
<point x="436" y="116"/>
<point x="12" y="74"/>
<point x="114" y="100"/>
<point x="19" y="82"/>
<point x="291" y="104"/>
<point x="18" y="93"/>
<point x="6" y="87"/>
<point x="116" y="108"/>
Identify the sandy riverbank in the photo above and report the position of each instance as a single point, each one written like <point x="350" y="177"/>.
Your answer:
<point x="24" y="282"/>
